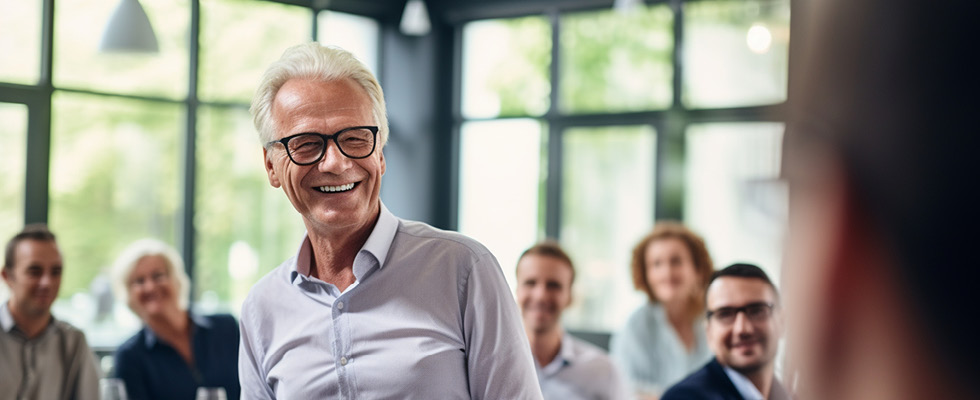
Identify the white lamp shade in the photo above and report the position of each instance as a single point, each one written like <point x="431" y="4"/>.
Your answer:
<point x="129" y="30"/>
<point x="415" y="19"/>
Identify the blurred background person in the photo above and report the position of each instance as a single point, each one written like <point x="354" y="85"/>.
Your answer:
<point x="745" y="323"/>
<point x="40" y="356"/>
<point x="881" y="151"/>
<point x="568" y="368"/>
<point x="177" y="351"/>
<point x="664" y="340"/>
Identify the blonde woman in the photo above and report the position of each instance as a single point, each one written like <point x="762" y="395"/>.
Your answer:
<point x="176" y="351"/>
<point x="664" y="339"/>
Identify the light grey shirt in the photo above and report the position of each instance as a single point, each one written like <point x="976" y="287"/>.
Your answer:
<point x="581" y="371"/>
<point x="651" y="354"/>
<point x="744" y="386"/>
<point x="57" y="364"/>
<point x="429" y="316"/>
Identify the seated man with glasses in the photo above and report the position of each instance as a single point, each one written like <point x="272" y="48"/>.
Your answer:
<point x="372" y="306"/>
<point x="744" y="327"/>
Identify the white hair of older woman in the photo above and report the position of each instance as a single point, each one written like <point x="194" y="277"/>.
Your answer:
<point x="122" y="269"/>
<point x="319" y="63"/>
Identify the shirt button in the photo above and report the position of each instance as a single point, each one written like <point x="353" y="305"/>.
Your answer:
<point x="340" y="305"/>
<point x="343" y="360"/>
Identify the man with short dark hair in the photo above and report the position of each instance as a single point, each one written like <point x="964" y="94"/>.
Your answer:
<point x="41" y="357"/>
<point x="744" y="327"/>
<point x="568" y="368"/>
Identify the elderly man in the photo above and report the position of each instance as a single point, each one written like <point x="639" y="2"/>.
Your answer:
<point x="371" y="306"/>
<point x="880" y="156"/>
<point x="568" y="368"/>
<point x="744" y="327"/>
<point x="40" y="357"/>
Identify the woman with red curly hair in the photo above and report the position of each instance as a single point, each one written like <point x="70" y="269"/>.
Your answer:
<point x="664" y="339"/>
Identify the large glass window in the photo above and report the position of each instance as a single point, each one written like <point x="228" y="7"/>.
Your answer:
<point x="607" y="205"/>
<point x="737" y="52"/>
<point x="240" y="39"/>
<point x="610" y="173"/>
<point x="78" y="64"/>
<point x="734" y="198"/>
<point x="244" y="226"/>
<point x="611" y="61"/>
<point x="20" y="41"/>
<point x="505" y="67"/>
<point x="114" y="179"/>
<point x="501" y="181"/>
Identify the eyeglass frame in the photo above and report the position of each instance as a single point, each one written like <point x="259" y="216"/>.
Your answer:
<point x="770" y="307"/>
<point x="326" y="140"/>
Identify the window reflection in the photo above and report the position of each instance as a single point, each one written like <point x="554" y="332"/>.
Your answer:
<point x="78" y="64"/>
<point x="354" y="33"/>
<point x="607" y="205"/>
<point x="244" y="226"/>
<point x="240" y="39"/>
<point x="737" y="52"/>
<point x="613" y="62"/>
<point x="20" y="41"/>
<point x="734" y="198"/>
<point x="114" y="178"/>
<point x="501" y="186"/>
<point x="506" y="67"/>
<point x="13" y="153"/>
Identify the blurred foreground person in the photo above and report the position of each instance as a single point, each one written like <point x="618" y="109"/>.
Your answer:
<point x="371" y="306"/>
<point x="664" y="339"/>
<point x="568" y="368"/>
<point x="177" y="351"/>
<point x="745" y="324"/>
<point x="881" y="152"/>
<point x="40" y="356"/>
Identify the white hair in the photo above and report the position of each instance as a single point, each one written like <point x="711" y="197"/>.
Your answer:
<point x="317" y="62"/>
<point x="127" y="260"/>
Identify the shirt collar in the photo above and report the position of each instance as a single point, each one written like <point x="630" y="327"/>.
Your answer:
<point x="7" y="319"/>
<point x="377" y="245"/>
<point x="564" y="358"/>
<point x="744" y="386"/>
<point x="197" y="322"/>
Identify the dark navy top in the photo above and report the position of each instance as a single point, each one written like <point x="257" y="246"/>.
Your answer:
<point x="152" y="369"/>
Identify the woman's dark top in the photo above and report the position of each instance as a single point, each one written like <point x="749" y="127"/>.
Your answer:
<point x="152" y="369"/>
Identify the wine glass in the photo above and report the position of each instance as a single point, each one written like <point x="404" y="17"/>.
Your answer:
<point x="211" y="393"/>
<point x="112" y="389"/>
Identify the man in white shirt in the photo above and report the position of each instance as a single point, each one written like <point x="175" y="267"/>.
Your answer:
<point x="744" y="327"/>
<point x="568" y="368"/>
<point x="40" y="356"/>
<point x="371" y="306"/>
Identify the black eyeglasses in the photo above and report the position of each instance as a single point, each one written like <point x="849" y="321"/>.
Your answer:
<point x="308" y="148"/>
<point x="755" y="312"/>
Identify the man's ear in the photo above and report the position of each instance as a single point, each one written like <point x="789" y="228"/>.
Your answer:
<point x="273" y="178"/>
<point x="3" y="272"/>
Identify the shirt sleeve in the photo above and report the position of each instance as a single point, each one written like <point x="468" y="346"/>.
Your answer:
<point x="499" y="362"/>
<point x="250" y="374"/>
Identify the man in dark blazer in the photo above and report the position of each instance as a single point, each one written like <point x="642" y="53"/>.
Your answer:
<point x="744" y="327"/>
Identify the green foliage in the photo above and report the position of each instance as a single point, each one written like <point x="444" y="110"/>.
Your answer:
<point x="614" y="62"/>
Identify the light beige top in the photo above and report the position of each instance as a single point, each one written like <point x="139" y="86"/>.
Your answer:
<point x="57" y="364"/>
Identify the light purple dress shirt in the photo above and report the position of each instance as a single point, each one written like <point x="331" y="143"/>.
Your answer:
<point x="581" y="371"/>
<point x="429" y="316"/>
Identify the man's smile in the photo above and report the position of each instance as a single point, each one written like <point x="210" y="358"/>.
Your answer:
<point x="336" y="189"/>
